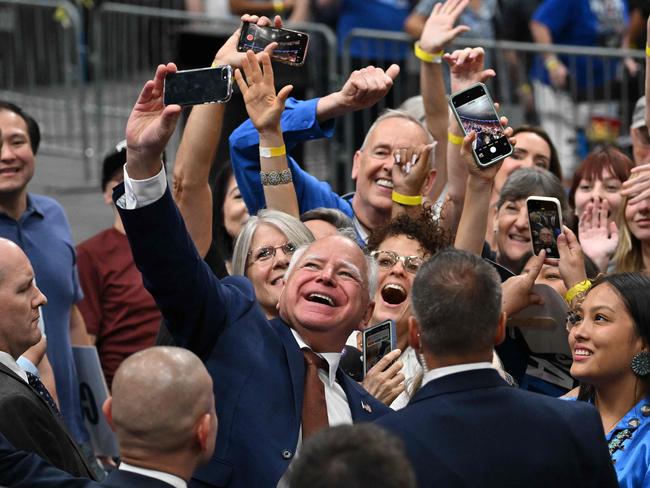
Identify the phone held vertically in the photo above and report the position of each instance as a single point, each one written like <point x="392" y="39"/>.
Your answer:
<point x="545" y="223"/>
<point x="376" y="342"/>
<point x="475" y="111"/>
<point x="196" y="86"/>
<point x="292" y="45"/>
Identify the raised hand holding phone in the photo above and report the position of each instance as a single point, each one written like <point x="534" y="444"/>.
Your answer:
<point x="545" y="224"/>
<point x="291" y="45"/>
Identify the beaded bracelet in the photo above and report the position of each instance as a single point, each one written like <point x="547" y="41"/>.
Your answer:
<point x="274" y="178"/>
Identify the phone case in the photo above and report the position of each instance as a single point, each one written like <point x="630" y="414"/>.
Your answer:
<point x="554" y="253"/>
<point x="229" y="82"/>
<point x="460" y="123"/>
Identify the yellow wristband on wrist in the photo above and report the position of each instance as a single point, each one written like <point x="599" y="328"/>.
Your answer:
<point x="647" y="50"/>
<point x="425" y="56"/>
<point x="454" y="139"/>
<point x="278" y="6"/>
<point x="408" y="200"/>
<point x="273" y="152"/>
<point x="576" y="290"/>
<point x="551" y="63"/>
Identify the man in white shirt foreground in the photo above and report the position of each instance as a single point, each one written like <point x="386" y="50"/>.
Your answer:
<point x="466" y="426"/>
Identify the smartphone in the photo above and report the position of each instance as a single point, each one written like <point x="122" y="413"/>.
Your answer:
<point x="196" y="86"/>
<point x="376" y="342"/>
<point x="292" y="45"/>
<point x="474" y="110"/>
<point x="545" y="223"/>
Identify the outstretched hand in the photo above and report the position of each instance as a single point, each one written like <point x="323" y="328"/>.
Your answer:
<point x="467" y="68"/>
<point x="264" y="107"/>
<point x="365" y="87"/>
<point x="411" y="169"/>
<point x="517" y="291"/>
<point x="150" y="126"/>
<point x="485" y="173"/>
<point x="598" y="235"/>
<point x="439" y="28"/>
<point x="228" y="53"/>
<point x="572" y="261"/>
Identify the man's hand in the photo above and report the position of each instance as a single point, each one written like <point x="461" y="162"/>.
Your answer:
<point x="411" y="168"/>
<point x="150" y="126"/>
<point x="363" y="89"/>
<point x="637" y="187"/>
<point x="467" y="68"/>
<point x="228" y="53"/>
<point x="572" y="262"/>
<point x="517" y="291"/>
<point x="439" y="28"/>
<point x="598" y="235"/>
<point x="384" y="380"/>
<point x="264" y="107"/>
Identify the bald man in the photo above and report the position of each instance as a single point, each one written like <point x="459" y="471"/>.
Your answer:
<point x="29" y="418"/>
<point x="162" y="411"/>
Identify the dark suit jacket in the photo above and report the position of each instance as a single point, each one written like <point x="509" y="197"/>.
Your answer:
<point x="471" y="429"/>
<point x="126" y="479"/>
<point x="256" y="364"/>
<point x="29" y="424"/>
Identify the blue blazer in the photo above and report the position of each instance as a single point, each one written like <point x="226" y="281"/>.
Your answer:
<point x="471" y="429"/>
<point x="256" y="364"/>
<point x="127" y="479"/>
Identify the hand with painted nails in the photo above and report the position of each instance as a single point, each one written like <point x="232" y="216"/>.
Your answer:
<point x="411" y="169"/>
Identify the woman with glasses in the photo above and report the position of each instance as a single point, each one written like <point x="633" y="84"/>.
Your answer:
<point x="609" y="336"/>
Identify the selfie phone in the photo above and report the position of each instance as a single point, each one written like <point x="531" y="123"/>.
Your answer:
<point x="292" y="45"/>
<point x="196" y="86"/>
<point x="376" y="342"/>
<point x="474" y="110"/>
<point x="545" y="223"/>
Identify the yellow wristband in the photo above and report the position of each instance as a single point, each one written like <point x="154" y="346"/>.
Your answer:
<point x="411" y="201"/>
<point x="454" y="139"/>
<point x="576" y="290"/>
<point x="278" y="6"/>
<point x="272" y="152"/>
<point x="425" y="56"/>
<point x="647" y="50"/>
<point x="551" y="63"/>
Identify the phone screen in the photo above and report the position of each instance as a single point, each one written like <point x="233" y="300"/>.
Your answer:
<point x="292" y="45"/>
<point x="545" y="222"/>
<point x="378" y="341"/>
<point x="191" y="87"/>
<point x="476" y="113"/>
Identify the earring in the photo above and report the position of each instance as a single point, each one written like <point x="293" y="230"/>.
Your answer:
<point x="641" y="363"/>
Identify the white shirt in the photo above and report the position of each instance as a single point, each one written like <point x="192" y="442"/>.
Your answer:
<point x="437" y="373"/>
<point x="170" y="479"/>
<point x="411" y="369"/>
<point x="10" y="362"/>
<point x="140" y="193"/>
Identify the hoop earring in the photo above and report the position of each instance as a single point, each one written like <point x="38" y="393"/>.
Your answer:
<point x="641" y="364"/>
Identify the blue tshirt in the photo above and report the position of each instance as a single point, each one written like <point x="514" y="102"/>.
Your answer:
<point x="43" y="233"/>
<point x="593" y="23"/>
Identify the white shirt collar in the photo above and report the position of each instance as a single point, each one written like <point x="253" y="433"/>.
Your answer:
<point x="171" y="479"/>
<point x="332" y="358"/>
<point x="10" y="362"/>
<point x="436" y="373"/>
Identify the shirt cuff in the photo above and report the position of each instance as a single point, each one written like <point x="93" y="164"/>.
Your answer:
<point x="140" y="193"/>
<point x="28" y="366"/>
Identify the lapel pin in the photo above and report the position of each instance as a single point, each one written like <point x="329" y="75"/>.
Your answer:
<point x="366" y="407"/>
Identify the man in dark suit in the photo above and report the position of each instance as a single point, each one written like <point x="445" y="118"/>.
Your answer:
<point x="466" y="427"/>
<point x="265" y="371"/>
<point x="29" y="418"/>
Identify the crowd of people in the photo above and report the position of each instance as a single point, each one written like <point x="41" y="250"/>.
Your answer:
<point x="228" y="313"/>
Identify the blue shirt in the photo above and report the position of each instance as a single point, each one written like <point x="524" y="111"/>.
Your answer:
<point x="594" y="23"/>
<point x="632" y="462"/>
<point x="43" y="233"/>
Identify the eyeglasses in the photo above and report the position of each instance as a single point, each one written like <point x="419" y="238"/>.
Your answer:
<point x="388" y="259"/>
<point x="265" y="253"/>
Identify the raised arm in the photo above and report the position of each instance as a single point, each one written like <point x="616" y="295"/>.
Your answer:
<point x="264" y="108"/>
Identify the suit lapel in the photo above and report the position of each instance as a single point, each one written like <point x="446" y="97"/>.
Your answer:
<point x="463" y="381"/>
<point x="296" y="363"/>
<point x="360" y="408"/>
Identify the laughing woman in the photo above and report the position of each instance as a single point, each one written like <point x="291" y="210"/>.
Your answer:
<point x="609" y="335"/>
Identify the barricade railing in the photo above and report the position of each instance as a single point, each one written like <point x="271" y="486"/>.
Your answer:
<point x="513" y="62"/>
<point x="43" y="65"/>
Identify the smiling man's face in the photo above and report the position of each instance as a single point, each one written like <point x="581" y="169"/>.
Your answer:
<point x="16" y="155"/>
<point x="326" y="294"/>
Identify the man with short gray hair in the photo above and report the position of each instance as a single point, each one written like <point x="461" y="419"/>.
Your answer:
<point x="466" y="426"/>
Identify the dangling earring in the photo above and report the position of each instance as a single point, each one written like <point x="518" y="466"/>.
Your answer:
<point x="641" y="364"/>
<point x="420" y="356"/>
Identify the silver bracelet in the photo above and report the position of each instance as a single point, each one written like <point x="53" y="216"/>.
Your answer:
<point x="274" y="178"/>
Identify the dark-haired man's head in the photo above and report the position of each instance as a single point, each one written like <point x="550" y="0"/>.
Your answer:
<point x="352" y="456"/>
<point x="457" y="305"/>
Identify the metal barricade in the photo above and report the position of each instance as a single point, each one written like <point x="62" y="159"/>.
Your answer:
<point x="593" y="111"/>
<point x="43" y="62"/>
<point x="129" y="41"/>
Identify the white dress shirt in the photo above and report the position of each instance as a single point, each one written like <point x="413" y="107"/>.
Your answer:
<point x="140" y="193"/>
<point x="10" y="362"/>
<point x="434" y="374"/>
<point x="168" y="478"/>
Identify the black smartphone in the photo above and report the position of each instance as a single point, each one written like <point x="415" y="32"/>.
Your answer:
<point x="292" y="45"/>
<point x="376" y="342"/>
<point x="545" y="222"/>
<point x="474" y="110"/>
<point x="195" y="86"/>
